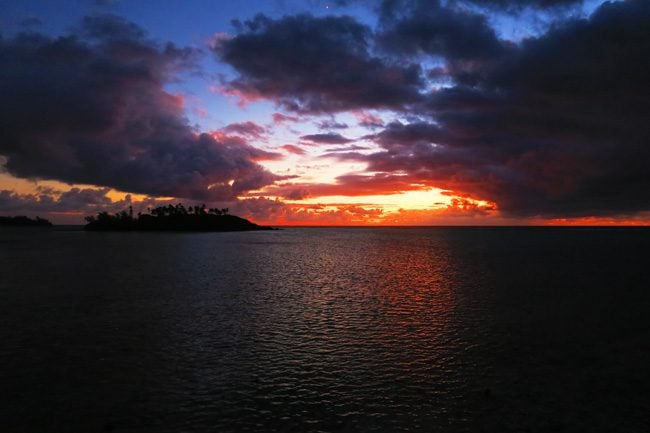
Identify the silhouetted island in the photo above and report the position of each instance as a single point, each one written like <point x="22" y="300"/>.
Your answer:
<point x="23" y="221"/>
<point x="172" y="218"/>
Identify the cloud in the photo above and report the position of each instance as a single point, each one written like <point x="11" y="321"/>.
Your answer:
<point x="91" y="108"/>
<point x="430" y="28"/>
<point x="350" y="185"/>
<point x="367" y="120"/>
<point x="248" y="128"/>
<point x="397" y="135"/>
<point x="260" y="209"/>
<point x="315" y="65"/>
<point x="331" y="124"/>
<point x="292" y="148"/>
<point x="351" y="148"/>
<point x="326" y="138"/>
<point x="274" y="212"/>
<point x="296" y="194"/>
<point x="556" y="128"/>
<point x="553" y="126"/>
<point x="266" y="211"/>
<point x="280" y="119"/>
<point x="71" y="206"/>
<point x="78" y="201"/>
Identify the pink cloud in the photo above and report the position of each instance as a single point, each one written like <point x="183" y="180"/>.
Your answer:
<point x="280" y="119"/>
<point x="368" y="120"/>
<point x="292" y="148"/>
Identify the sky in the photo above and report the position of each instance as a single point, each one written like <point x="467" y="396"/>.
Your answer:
<point x="342" y="112"/>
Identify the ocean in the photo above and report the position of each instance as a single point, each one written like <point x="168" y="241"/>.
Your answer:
<point x="326" y="329"/>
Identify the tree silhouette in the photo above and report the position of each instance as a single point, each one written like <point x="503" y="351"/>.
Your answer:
<point x="171" y="217"/>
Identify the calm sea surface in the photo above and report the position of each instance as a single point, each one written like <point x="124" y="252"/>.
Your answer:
<point x="332" y="329"/>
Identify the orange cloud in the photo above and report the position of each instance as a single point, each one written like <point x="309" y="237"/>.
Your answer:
<point x="352" y="185"/>
<point x="275" y="212"/>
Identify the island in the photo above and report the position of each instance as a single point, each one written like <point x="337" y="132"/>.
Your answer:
<point x="23" y="221"/>
<point x="172" y="218"/>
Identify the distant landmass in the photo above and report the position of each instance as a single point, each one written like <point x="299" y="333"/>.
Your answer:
<point x="23" y="221"/>
<point x="172" y="218"/>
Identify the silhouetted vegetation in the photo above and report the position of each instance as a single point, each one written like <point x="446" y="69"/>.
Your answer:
<point x="24" y="221"/>
<point x="178" y="217"/>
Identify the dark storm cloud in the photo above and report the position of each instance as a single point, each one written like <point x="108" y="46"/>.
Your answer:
<point x="111" y="27"/>
<point x="90" y="108"/>
<point x="328" y="138"/>
<point x="428" y="27"/>
<point x="558" y="127"/>
<point x="315" y="65"/>
<point x="398" y="134"/>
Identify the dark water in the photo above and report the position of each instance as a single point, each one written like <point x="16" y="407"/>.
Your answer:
<point x="419" y="329"/>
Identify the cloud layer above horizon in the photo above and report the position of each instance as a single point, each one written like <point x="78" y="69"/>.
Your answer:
<point x="90" y="108"/>
<point x="553" y="125"/>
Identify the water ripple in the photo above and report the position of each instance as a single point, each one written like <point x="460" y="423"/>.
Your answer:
<point x="326" y="330"/>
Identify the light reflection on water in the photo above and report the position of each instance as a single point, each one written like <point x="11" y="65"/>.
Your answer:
<point x="325" y="330"/>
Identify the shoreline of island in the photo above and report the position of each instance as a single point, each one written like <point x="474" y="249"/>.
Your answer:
<point x="172" y="218"/>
